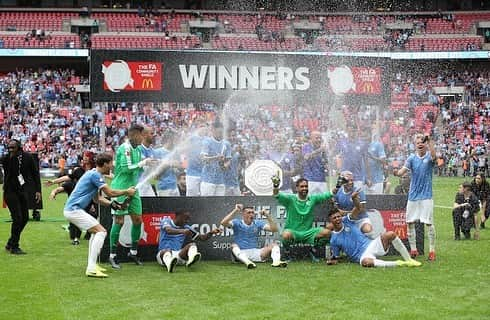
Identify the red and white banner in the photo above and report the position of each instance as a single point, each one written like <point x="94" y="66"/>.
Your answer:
<point x="152" y="223"/>
<point x="355" y="80"/>
<point x="120" y="75"/>
<point x="394" y="220"/>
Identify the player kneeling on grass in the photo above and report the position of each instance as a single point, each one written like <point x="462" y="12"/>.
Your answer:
<point x="245" y="233"/>
<point x="171" y="248"/>
<point x="347" y="237"/>
<point x="85" y="190"/>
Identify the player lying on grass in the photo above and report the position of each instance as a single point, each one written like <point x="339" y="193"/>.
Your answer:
<point x="348" y="238"/>
<point x="172" y="249"/>
<point x="245" y="237"/>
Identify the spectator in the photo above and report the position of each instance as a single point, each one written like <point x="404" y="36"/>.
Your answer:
<point x="465" y="210"/>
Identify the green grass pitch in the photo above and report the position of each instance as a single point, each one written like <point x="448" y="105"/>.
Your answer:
<point x="49" y="282"/>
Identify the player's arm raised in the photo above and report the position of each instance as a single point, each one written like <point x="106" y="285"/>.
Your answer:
<point x="226" y="221"/>
<point x="358" y="207"/>
<point x="271" y="224"/>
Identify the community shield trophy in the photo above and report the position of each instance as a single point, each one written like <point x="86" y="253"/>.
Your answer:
<point x="258" y="176"/>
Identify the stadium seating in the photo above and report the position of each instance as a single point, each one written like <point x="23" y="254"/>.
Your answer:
<point x="356" y="32"/>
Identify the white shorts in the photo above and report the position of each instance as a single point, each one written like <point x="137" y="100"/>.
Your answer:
<point x="376" y="188"/>
<point x="193" y="185"/>
<point x="81" y="219"/>
<point x="317" y="187"/>
<point x="375" y="249"/>
<point x="253" y="254"/>
<point x="422" y="210"/>
<point x="180" y="261"/>
<point x="168" y="193"/>
<point x="211" y="189"/>
<point x="232" y="191"/>
<point x="358" y="184"/>
<point x="360" y="222"/>
<point x="146" y="190"/>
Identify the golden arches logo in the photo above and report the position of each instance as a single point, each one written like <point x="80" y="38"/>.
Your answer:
<point x="367" y="87"/>
<point x="147" y="84"/>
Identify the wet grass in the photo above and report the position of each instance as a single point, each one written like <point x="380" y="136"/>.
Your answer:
<point x="48" y="282"/>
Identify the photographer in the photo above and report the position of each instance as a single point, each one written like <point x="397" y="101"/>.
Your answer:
<point x="465" y="209"/>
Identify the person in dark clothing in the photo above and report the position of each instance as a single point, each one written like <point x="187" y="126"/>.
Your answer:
<point x="19" y="170"/>
<point x="465" y="210"/>
<point x="481" y="188"/>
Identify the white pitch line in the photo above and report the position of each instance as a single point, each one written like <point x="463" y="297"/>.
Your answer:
<point x="443" y="207"/>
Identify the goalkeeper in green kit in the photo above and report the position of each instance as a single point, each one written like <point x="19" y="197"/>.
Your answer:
<point x="127" y="170"/>
<point x="299" y="209"/>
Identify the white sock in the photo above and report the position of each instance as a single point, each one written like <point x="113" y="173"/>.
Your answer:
<point x="242" y="256"/>
<point x="398" y="245"/>
<point x="133" y="252"/>
<point x="167" y="257"/>
<point x="96" y="245"/>
<point x="90" y="241"/>
<point x="432" y="237"/>
<point x="275" y="254"/>
<point x="112" y="255"/>
<point x="384" y="264"/>
<point x="412" y="240"/>
<point x="192" y="251"/>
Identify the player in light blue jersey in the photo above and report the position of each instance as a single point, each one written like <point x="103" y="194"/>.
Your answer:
<point x="376" y="159"/>
<point x="420" y="206"/>
<point x="246" y="230"/>
<point x="232" y="174"/>
<point x="194" y="163"/>
<point x="215" y="155"/>
<point x="347" y="238"/>
<point x="86" y="190"/>
<point x="147" y="152"/>
<point x="315" y="163"/>
<point x="343" y="199"/>
<point x="173" y="233"/>
<point x="353" y="153"/>
<point x="169" y="164"/>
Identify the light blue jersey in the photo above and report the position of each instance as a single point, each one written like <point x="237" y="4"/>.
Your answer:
<point x="232" y="174"/>
<point x="377" y="150"/>
<point x="421" y="175"/>
<point x="343" y="200"/>
<point x="212" y="172"/>
<point x="146" y="152"/>
<point x="349" y="240"/>
<point x="245" y="236"/>
<point x="85" y="190"/>
<point x="194" y="162"/>
<point x="168" y="179"/>
<point x="314" y="168"/>
<point x="354" y="153"/>
<point x="171" y="241"/>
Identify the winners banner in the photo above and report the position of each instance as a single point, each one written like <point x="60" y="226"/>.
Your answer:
<point x="387" y="213"/>
<point x="232" y="77"/>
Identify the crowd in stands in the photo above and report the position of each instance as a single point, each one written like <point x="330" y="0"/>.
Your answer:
<point x="41" y="109"/>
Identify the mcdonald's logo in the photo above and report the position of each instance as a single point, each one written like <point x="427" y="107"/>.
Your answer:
<point x="147" y="84"/>
<point x="367" y="87"/>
